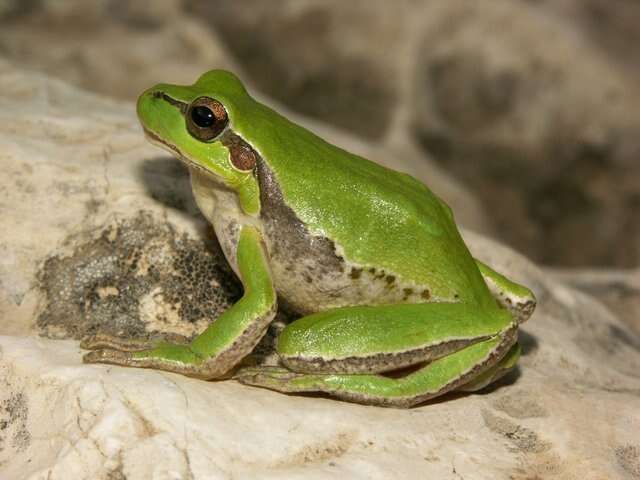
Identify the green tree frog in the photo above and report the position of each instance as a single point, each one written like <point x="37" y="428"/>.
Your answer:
<point x="393" y="309"/>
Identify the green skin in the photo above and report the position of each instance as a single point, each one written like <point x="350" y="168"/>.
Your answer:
<point x="369" y="256"/>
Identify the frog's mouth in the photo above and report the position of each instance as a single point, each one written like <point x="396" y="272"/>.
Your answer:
<point x="158" y="141"/>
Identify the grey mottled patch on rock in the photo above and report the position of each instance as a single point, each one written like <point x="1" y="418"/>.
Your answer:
<point x="628" y="457"/>
<point x="100" y="287"/>
<point x="520" y="404"/>
<point x="14" y="414"/>
<point x="522" y="438"/>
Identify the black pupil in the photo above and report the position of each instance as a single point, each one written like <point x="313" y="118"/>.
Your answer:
<point x="203" y="116"/>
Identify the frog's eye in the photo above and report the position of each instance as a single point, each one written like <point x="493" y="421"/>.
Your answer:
<point x="206" y="118"/>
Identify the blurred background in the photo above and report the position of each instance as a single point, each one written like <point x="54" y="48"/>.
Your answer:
<point x="532" y="107"/>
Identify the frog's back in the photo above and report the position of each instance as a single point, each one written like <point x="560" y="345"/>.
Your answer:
<point x="377" y="217"/>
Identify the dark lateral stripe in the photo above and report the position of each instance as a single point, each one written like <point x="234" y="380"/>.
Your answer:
<point x="176" y="103"/>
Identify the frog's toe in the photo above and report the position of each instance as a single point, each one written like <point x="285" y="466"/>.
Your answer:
<point x="102" y="341"/>
<point x="274" y="378"/>
<point x="108" y="355"/>
<point x="249" y="375"/>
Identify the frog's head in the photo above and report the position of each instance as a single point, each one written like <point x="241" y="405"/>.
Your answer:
<point x="194" y="123"/>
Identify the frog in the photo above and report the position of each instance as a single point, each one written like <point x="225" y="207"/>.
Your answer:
<point x="391" y="309"/>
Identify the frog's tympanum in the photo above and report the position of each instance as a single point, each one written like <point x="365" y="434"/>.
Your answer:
<point x="393" y="308"/>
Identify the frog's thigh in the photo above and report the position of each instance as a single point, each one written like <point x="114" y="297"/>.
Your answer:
<point x="372" y="339"/>
<point x="436" y="378"/>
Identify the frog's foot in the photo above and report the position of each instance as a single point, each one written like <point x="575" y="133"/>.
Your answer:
<point x="138" y="352"/>
<point x="274" y="378"/>
<point x="169" y="357"/>
<point x="103" y="340"/>
<point x="434" y="379"/>
<point x="494" y="373"/>
<point x="143" y="353"/>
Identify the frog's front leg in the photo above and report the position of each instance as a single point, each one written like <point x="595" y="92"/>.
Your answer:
<point x="224" y="343"/>
<point x="345" y="352"/>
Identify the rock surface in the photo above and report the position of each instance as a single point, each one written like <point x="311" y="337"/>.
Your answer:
<point x="81" y="193"/>
<point x="618" y="289"/>
<point x="112" y="47"/>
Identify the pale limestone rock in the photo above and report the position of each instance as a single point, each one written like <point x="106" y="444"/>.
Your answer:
<point x="112" y="47"/>
<point x="75" y="169"/>
<point x="618" y="289"/>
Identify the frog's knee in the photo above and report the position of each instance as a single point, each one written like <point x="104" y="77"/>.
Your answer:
<point x="306" y="345"/>
<point x="520" y="304"/>
<point x="295" y="339"/>
<point x="516" y="298"/>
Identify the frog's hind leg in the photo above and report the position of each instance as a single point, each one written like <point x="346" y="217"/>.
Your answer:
<point x="432" y="380"/>
<point x="499" y="370"/>
<point x="344" y="352"/>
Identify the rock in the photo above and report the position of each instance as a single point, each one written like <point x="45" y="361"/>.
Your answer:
<point x="112" y="47"/>
<point x="86" y="204"/>
<point x="611" y="27"/>
<point x="618" y="289"/>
